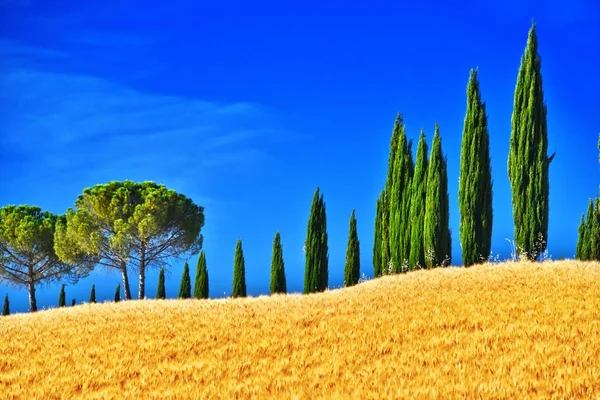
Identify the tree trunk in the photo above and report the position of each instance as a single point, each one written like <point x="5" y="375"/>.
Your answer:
<point x="32" y="301"/>
<point x="126" y="290"/>
<point x="141" y="288"/>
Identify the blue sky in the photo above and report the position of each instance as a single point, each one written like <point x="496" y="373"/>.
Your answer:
<point x="247" y="106"/>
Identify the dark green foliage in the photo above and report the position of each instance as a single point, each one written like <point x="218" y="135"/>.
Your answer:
<point x="185" y="287"/>
<point x="475" y="183"/>
<point x="594" y="232"/>
<point x="436" y="234"/>
<point x="118" y="293"/>
<point x="73" y="303"/>
<point x="316" y="273"/>
<point x="93" y="294"/>
<point x="201" y="282"/>
<point x="417" y="206"/>
<point x="386" y="255"/>
<point x="352" y="267"/>
<point x="528" y="162"/>
<point x="399" y="206"/>
<point x="6" y="308"/>
<point x="278" y="282"/>
<point x="62" y="297"/>
<point x="377" y="247"/>
<point x="239" y="272"/>
<point x="161" y="292"/>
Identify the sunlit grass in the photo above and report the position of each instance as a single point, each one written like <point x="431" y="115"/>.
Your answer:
<point x="513" y="330"/>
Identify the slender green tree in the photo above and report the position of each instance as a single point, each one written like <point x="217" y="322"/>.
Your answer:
<point x="185" y="287"/>
<point x="594" y="236"/>
<point x="436" y="233"/>
<point x="161" y="292"/>
<point x="399" y="206"/>
<point x="585" y="243"/>
<point x="201" y="281"/>
<point x="386" y="256"/>
<point x="316" y="273"/>
<point x="62" y="296"/>
<point x="352" y="267"/>
<point x="239" y="272"/>
<point x="27" y="256"/>
<point x="6" y="308"/>
<point x="278" y="282"/>
<point x="118" y="293"/>
<point x="73" y="303"/>
<point x="93" y="294"/>
<point x="528" y="162"/>
<point x="475" y="182"/>
<point x="377" y="246"/>
<point x="417" y="206"/>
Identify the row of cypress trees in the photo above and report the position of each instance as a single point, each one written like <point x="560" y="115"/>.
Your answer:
<point x="588" y="239"/>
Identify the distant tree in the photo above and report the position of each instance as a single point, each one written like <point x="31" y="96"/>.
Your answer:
<point x="118" y="293"/>
<point x="6" y="308"/>
<point x="594" y="232"/>
<point x="400" y="195"/>
<point x="475" y="182"/>
<point x="316" y="272"/>
<point x="27" y="256"/>
<point x="185" y="287"/>
<point x="119" y="222"/>
<point x="528" y="162"/>
<point x="377" y="245"/>
<point x="201" y="283"/>
<point x="352" y="267"/>
<point x="73" y="303"/>
<point x="417" y="206"/>
<point x="93" y="294"/>
<point x="436" y="233"/>
<point x="160" y="292"/>
<point x="278" y="283"/>
<point x="239" y="272"/>
<point x="62" y="296"/>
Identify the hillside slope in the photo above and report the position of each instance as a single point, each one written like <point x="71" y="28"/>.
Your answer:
<point x="495" y="331"/>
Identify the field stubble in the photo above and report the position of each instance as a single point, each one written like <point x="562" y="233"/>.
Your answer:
<point x="508" y="330"/>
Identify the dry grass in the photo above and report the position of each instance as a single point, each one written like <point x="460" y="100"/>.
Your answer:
<point x="495" y="331"/>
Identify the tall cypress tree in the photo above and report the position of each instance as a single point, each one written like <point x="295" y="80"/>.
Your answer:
<point x="528" y="162"/>
<point x="417" y="206"/>
<point x="316" y="272"/>
<point x="594" y="233"/>
<point x="185" y="287"/>
<point x="239" y="272"/>
<point x="73" y="302"/>
<point x="6" y="308"/>
<point x="436" y="233"/>
<point x="93" y="294"/>
<point x="377" y="254"/>
<point x="118" y="293"/>
<point x="201" y="282"/>
<point x="385" y="233"/>
<point x="399" y="206"/>
<point x="580" y="237"/>
<point x="62" y="302"/>
<point x="161" y="292"/>
<point x="352" y="266"/>
<point x="278" y="283"/>
<point x="475" y="183"/>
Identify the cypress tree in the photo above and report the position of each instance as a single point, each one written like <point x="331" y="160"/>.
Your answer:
<point x="93" y="294"/>
<point x="528" y="162"/>
<point x="278" y="283"/>
<point x="201" y="283"/>
<point x="475" y="182"/>
<point x="185" y="287"/>
<point x="377" y="248"/>
<point x="73" y="303"/>
<point x="580" y="235"/>
<point x="161" y="292"/>
<point x="61" y="296"/>
<point x="316" y="272"/>
<point x="352" y="267"/>
<point x="417" y="206"/>
<point x="239" y="272"/>
<point x="400" y="194"/>
<point x="587" y="231"/>
<point x="594" y="232"/>
<point x="6" y="308"/>
<point x="436" y="233"/>
<point x="385" y="233"/>
<point x="118" y="293"/>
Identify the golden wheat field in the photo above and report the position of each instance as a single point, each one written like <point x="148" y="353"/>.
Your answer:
<point x="512" y="330"/>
